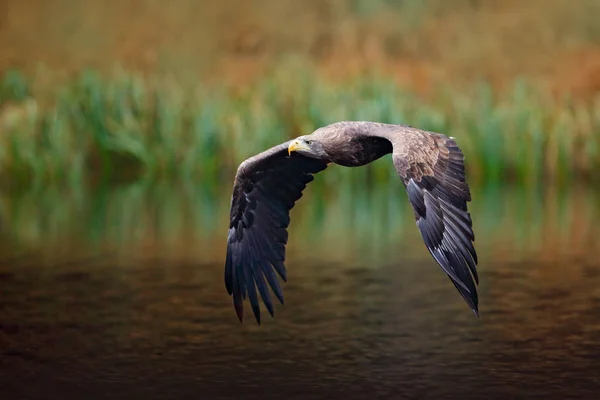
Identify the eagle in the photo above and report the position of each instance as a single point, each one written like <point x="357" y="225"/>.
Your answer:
<point x="267" y="185"/>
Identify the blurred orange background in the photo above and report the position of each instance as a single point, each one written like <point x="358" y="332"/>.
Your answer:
<point x="555" y="43"/>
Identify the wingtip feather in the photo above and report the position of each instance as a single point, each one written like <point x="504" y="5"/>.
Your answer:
<point x="239" y="310"/>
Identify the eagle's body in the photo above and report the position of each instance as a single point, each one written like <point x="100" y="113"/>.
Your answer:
<point x="267" y="185"/>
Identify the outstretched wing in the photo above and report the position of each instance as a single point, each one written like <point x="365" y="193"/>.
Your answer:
<point x="432" y="169"/>
<point x="265" y="190"/>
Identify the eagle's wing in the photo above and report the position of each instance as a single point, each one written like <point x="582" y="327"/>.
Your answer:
<point x="265" y="190"/>
<point x="432" y="169"/>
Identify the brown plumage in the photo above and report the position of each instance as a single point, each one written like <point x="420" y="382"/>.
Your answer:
<point x="267" y="185"/>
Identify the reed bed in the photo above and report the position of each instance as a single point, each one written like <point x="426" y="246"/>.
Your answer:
<point x="155" y="129"/>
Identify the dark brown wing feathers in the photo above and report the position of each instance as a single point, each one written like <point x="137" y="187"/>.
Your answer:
<point x="433" y="173"/>
<point x="265" y="190"/>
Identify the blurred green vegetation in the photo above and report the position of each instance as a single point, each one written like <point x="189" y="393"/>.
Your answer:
<point x="146" y="218"/>
<point x="154" y="129"/>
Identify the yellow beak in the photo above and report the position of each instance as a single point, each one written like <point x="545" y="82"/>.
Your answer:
<point x="297" y="145"/>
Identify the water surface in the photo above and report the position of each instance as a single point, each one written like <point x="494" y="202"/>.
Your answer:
<point x="118" y="293"/>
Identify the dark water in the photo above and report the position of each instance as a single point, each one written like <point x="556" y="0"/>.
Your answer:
<point x="119" y="293"/>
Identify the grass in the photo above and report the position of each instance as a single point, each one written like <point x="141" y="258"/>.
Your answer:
<point x="107" y="127"/>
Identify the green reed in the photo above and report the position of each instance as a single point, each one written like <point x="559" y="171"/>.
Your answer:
<point x="156" y="129"/>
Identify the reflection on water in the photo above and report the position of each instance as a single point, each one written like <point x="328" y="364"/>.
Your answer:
<point x="120" y="291"/>
<point x="369" y="224"/>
